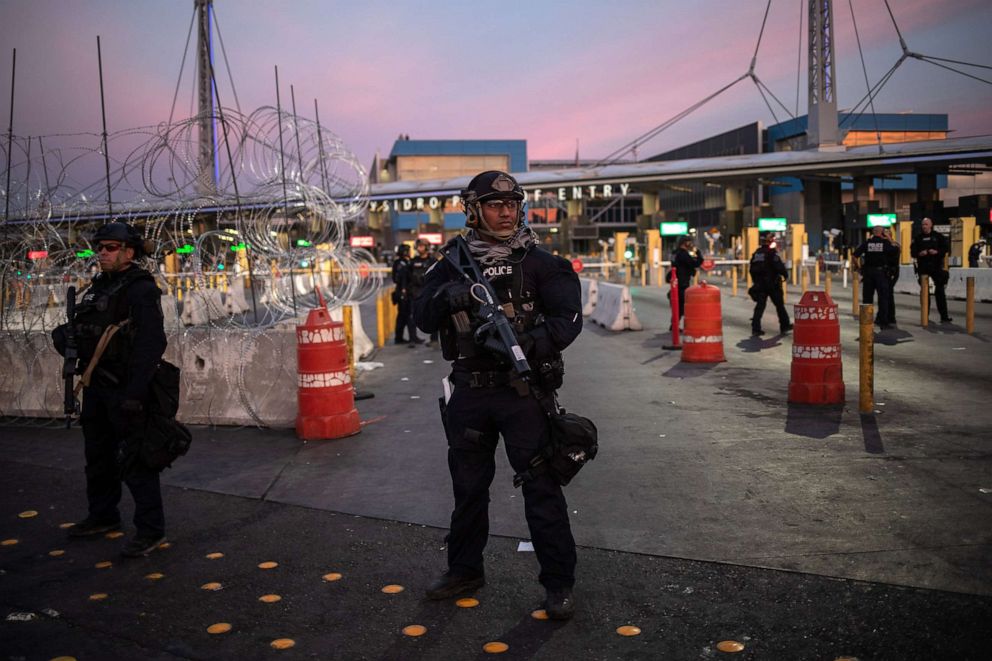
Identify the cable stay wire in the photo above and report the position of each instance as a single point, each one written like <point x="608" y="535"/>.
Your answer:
<point x="182" y="67"/>
<point x="872" y="93"/>
<point x="902" y="42"/>
<point x="230" y="75"/>
<point x="767" y="89"/>
<point x="968" y="64"/>
<point x="799" y="54"/>
<point x="761" y="33"/>
<point x="864" y="69"/>
<point x="765" y="99"/>
<point x="926" y="58"/>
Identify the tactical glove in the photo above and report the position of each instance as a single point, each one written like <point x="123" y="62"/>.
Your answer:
<point x="458" y="296"/>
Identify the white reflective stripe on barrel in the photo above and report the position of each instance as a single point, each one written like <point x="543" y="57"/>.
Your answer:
<point x="822" y="313"/>
<point x="320" y="335"/>
<point x="816" y="352"/>
<point x="702" y="339"/>
<point x="324" y="379"/>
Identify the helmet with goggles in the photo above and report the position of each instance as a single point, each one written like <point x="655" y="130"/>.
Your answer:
<point x="491" y="186"/>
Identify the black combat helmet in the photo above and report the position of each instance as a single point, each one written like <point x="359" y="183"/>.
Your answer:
<point x="124" y="233"/>
<point x="490" y="185"/>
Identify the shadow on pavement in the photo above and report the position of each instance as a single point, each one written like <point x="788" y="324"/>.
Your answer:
<point x="688" y="370"/>
<point x="813" y="421"/>
<point x="873" y="438"/>
<point x="893" y="336"/>
<point x="755" y="343"/>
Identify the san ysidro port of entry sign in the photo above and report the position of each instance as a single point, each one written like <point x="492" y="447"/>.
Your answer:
<point x="674" y="228"/>
<point x="773" y="224"/>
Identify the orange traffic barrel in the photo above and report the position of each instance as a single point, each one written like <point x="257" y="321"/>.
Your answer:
<point x="702" y="339"/>
<point x="817" y="371"/>
<point x="325" y="397"/>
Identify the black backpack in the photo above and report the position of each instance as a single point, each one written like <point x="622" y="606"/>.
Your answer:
<point x="165" y="439"/>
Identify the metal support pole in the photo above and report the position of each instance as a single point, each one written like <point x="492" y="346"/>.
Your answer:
<point x="380" y="318"/>
<point x="10" y="137"/>
<point x="103" y="113"/>
<point x="970" y="304"/>
<point x="866" y="337"/>
<point x="733" y="279"/>
<point x="285" y="193"/>
<point x="827" y="282"/>
<point x="347" y="316"/>
<point x="805" y="280"/>
<point x="816" y="273"/>
<point x="924" y="300"/>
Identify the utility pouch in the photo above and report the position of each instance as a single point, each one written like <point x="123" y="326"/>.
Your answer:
<point x="164" y="440"/>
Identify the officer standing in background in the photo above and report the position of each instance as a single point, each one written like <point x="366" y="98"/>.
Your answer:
<point x="767" y="273"/>
<point x="876" y="256"/>
<point x="686" y="258"/>
<point x="419" y="264"/>
<point x="402" y="296"/>
<point x="541" y="296"/>
<point x="116" y="399"/>
<point x="928" y="249"/>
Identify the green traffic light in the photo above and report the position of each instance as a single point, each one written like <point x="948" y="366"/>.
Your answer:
<point x="628" y="254"/>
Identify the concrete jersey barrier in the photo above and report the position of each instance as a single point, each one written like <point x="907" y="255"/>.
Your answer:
<point x="614" y="308"/>
<point x="590" y="290"/>
<point x="908" y="284"/>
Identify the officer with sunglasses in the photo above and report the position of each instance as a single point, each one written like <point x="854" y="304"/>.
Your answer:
<point x="125" y="296"/>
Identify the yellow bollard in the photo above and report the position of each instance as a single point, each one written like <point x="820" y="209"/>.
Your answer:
<point x="380" y="319"/>
<point x="805" y="280"/>
<point x="866" y="343"/>
<point x="970" y="304"/>
<point x="695" y="278"/>
<point x="394" y="311"/>
<point x="349" y="336"/>
<point x="733" y="279"/>
<point x="924" y="300"/>
<point x="855" y="293"/>
<point x="644" y="277"/>
<point x="626" y="276"/>
<point x="827" y="282"/>
<point x="816" y="273"/>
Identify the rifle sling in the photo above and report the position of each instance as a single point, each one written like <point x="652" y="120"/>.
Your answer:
<point x="101" y="346"/>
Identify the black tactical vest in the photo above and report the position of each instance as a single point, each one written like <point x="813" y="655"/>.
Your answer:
<point x="105" y="303"/>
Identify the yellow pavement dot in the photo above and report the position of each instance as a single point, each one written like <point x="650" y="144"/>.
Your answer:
<point x="66" y="525"/>
<point x="414" y="630"/>
<point x="270" y="598"/>
<point x="282" y="643"/>
<point x="154" y="576"/>
<point x="393" y="589"/>
<point x="64" y="658"/>
<point x="29" y="514"/>
<point x="333" y="576"/>
<point x="214" y="556"/>
<point x="628" y="630"/>
<point x="165" y="545"/>
<point x="104" y="564"/>
<point x="9" y="542"/>
<point x="99" y="596"/>
<point x="56" y="553"/>
<point x="213" y="586"/>
<point x="729" y="646"/>
<point x="268" y="565"/>
<point x="467" y="602"/>
<point x="495" y="647"/>
<point x="220" y="627"/>
<point x="114" y="535"/>
<point x="539" y="614"/>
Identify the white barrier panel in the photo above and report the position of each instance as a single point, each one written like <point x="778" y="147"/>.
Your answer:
<point x="303" y="284"/>
<point x="590" y="291"/>
<point x="215" y="305"/>
<point x="170" y="311"/>
<point x="363" y="346"/>
<point x="614" y="308"/>
<point x="194" y="308"/>
<point x="908" y="284"/>
<point x="234" y="300"/>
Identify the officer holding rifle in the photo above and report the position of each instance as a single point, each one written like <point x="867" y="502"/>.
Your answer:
<point x="504" y="309"/>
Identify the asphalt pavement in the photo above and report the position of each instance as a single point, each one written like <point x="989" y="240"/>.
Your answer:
<point x="715" y="512"/>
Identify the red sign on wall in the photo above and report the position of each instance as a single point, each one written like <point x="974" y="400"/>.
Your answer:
<point x="577" y="265"/>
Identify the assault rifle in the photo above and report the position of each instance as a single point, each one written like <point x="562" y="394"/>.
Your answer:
<point x="495" y="333"/>
<point x="71" y="358"/>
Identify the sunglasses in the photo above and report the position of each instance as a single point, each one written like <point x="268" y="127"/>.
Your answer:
<point x="496" y="205"/>
<point x="109" y="247"/>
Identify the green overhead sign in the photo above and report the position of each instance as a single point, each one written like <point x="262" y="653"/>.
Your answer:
<point x="773" y="224"/>
<point x="881" y="219"/>
<point x="674" y="228"/>
<point x="85" y="254"/>
<point x="303" y="243"/>
<point x="237" y="247"/>
<point x="185" y="249"/>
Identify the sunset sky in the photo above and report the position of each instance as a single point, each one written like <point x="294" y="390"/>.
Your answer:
<point x="550" y="72"/>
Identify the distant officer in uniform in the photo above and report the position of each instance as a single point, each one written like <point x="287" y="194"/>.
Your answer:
<point x="403" y="279"/>
<point x="767" y="273"/>
<point x="541" y="295"/>
<point x="115" y="402"/>
<point x="876" y="256"/>
<point x="686" y="258"/>
<point x="975" y="254"/>
<point x="928" y="249"/>
<point x="419" y="264"/>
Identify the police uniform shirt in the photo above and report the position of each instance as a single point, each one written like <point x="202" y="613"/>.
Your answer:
<point x="418" y="271"/>
<point x="929" y="264"/>
<point x="875" y="252"/>
<point x="766" y="266"/>
<point x="539" y="291"/>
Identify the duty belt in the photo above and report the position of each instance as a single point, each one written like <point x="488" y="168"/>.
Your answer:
<point x="481" y="379"/>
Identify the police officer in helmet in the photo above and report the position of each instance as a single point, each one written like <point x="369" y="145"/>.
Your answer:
<point x="115" y="400"/>
<point x="540" y="294"/>
<point x="767" y="273"/>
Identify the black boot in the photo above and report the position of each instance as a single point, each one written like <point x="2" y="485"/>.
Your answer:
<point x="560" y="604"/>
<point x="89" y="527"/>
<point x="448" y="585"/>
